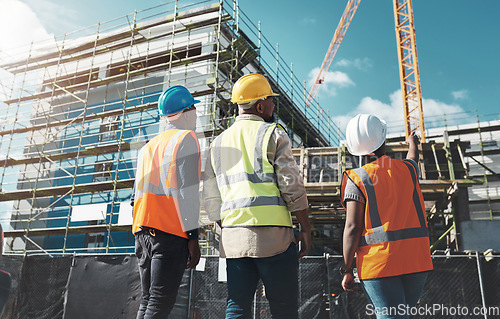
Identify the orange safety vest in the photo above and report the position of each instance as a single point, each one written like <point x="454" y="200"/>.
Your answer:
<point x="395" y="239"/>
<point x="155" y="203"/>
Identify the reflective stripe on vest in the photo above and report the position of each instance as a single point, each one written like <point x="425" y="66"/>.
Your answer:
<point x="251" y="202"/>
<point x="258" y="176"/>
<point x="249" y="198"/>
<point x="416" y="198"/>
<point x="379" y="234"/>
<point x="156" y="204"/>
<point x="162" y="189"/>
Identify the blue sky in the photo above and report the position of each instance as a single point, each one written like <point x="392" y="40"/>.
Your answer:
<point x="457" y="44"/>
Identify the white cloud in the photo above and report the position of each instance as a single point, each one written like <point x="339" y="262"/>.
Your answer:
<point x="19" y="26"/>
<point x="343" y="63"/>
<point x="435" y="111"/>
<point x="332" y="81"/>
<point x="56" y="15"/>
<point x="460" y="95"/>
<point x="308" y="21"/>
<point x="360" y="64"/>
<point x="392" y="112"/>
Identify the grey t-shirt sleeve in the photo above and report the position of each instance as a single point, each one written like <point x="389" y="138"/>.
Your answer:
<point x="188" y="184"/>
<point x="352" y="192"/>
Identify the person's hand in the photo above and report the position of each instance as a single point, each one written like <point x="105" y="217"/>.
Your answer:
<point x="304" y="238"/>
<point x="348" y="282"/>
<point x="413" y="139"/>
<point x="194" y="253"/>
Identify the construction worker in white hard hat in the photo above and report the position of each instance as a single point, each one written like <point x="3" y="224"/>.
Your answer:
<point x="166" y="204"/>
<point x="386" y="224"/>
<point x="251" y="185"/>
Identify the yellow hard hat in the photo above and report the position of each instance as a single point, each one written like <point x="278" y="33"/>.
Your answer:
<point x="251" y="87"/>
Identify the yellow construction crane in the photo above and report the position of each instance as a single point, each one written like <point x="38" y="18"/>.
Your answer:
<point x="407" y="56"/>
<point x="344" y="22"/>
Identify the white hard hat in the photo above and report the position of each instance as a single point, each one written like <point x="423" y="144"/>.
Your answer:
<point x="365" y="133"/>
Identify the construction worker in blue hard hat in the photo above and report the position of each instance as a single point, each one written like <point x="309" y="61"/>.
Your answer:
<point x="252" y="185"/>
<point x="166" y="204"/>
<point x="386" y="224"/>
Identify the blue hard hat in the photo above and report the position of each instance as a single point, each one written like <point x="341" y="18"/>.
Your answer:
<point x="175" y="99"/>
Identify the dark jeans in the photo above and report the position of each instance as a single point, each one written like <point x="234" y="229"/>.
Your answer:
<point x="162" y="260"/>
<point x="279" y="275"/>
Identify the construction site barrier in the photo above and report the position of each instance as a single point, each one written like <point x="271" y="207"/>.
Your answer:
<point x="108" y="286"/>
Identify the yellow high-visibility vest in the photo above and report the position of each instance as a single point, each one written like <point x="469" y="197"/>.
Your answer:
<point x="245" y="177"/>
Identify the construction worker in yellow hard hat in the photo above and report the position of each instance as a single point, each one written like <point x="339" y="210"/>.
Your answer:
<point x="251" y="185"/>
<point x="385" y="222"/>
<point x="253" y="88"/>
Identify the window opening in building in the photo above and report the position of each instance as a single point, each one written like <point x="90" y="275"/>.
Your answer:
<point x="95" y="240"/>
<point x="102" y="171"/>
<point x="71" y="79"/>
<point x="107" y="129"/>
<point x="490" y="144"/>
<point x="154" y="59"/>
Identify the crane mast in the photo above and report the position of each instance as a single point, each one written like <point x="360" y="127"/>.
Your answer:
<point x="407" y="57"/>
<point x="408" y="68"/>
<point x="344" y="22"/>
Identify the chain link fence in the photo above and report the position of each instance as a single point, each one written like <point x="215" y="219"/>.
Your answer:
<point x="107" y="286"/>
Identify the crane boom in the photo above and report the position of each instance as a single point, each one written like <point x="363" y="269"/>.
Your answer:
<point x="408" y="68"/>
<point x="407" y="56"/>
<point x="340" y="32"/>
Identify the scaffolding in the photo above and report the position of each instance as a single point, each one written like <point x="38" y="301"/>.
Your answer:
<point x="75" y="112"/>
<point x="480" y="162"/>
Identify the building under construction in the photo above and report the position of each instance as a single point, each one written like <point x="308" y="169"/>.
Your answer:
<point x="74" y="113"/>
